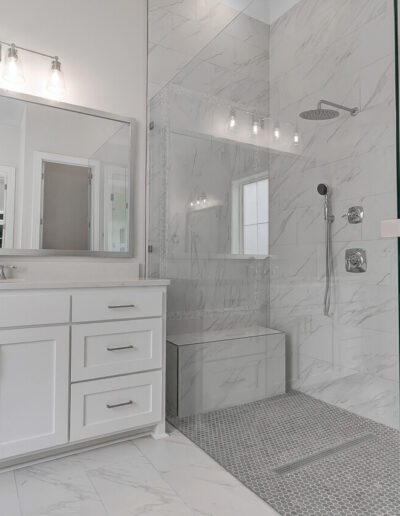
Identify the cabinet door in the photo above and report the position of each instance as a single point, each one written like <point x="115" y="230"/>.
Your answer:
<point x="34" y="368"/>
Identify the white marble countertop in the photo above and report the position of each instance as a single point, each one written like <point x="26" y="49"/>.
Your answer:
<point x="215" y="336"/>
<point x="21" y="284"/>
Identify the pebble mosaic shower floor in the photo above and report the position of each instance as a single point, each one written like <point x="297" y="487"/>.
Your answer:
<point x="303" y="456"/>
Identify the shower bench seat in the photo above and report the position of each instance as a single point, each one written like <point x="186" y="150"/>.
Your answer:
<point x="217" y="369"/>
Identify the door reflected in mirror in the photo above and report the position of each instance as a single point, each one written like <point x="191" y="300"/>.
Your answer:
<point x="65" y="179"/>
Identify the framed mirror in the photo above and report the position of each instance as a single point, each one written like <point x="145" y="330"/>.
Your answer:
<point x="66" y="179"/>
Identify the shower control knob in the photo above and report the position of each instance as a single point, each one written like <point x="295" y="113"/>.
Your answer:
<point x="355" y="215"/>
<point x="356" y="260"/>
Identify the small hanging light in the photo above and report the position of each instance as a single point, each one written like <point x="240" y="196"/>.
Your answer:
<point x="13" y="72"/>
<point x="232" y="119"/>
<point x="277" y="131"/>
<point x="296" y="137"/>
<point x="256" y="126"/>
<point x="56" y="83"/>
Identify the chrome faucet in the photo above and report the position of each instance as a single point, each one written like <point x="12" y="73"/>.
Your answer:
<point x="3" y="268"/>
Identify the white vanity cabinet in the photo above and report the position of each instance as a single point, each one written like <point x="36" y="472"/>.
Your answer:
<point x="79" y="364"/>
<point x="34" y="366"/>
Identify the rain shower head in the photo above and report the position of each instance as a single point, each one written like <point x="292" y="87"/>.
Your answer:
<point x="322" y="189"/>
<point x="319" y="114"/>
<point x="327" y="114"/>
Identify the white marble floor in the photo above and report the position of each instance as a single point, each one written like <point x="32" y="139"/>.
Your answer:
<point x="140" y="477"/>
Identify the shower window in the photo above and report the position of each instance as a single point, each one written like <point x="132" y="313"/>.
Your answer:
<point x="250" y="220"/>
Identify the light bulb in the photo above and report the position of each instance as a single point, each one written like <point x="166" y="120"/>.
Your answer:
<point x="56" y="83"/>
<point x="296" y="137"/>
<point x="277" y="132"/>
<point x="192" y="204"/>
<point x="203" y="199"/>
<point x="256" y="127"/>
<point x="232" y="120"/>
<point x="13" y="72"/>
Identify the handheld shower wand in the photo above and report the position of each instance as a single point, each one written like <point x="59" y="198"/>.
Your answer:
<point x="329" y="218"/>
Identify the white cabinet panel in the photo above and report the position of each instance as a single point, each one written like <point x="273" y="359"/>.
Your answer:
<point x="103" y="407"/>
<point x="114" y="348"/>
<point x="31" y="309"/>
<point x="34" y="365"/>
<point x="123" y="303"/>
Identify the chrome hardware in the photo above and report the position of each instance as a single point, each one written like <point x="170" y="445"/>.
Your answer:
<point x="355" y="215"/>
<point x="111" y="307"/>
<point x="121" y="348"/>
<point x="356" y="260"/>
<point x="130" y="402"/>
<point x="3" y="268"/>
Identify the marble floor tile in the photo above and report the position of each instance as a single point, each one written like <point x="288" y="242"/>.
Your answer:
<point x="57" y="488"/>
<point x="133" y="488"/>
<point x="104" y="456"/>
<point x="132" y="478"/>
<point x="9" y="505"/>
<point x="214" y="492"/>
<point x="174" y="453"/>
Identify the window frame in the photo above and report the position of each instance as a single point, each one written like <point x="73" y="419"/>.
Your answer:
<point x="237" y="229"/>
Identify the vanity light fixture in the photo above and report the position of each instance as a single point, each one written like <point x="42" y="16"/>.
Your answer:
<point x="13" y="73"/>
<point x="199" y="202"/>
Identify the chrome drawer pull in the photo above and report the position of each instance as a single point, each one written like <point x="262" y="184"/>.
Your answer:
<point x="111" y="307"/>
<point x="130" y="402"/>
<point x="120" y="348"/>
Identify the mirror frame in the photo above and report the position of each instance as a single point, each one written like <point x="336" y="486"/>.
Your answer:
<point x="132" y="178"/>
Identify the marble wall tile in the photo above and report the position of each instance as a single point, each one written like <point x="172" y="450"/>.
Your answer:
<point x="320" y="50"/>
<point x="203" y="320"/>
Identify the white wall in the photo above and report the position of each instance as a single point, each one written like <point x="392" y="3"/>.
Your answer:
<point x="103" y="48"/>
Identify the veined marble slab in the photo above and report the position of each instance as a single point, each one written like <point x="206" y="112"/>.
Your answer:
<point x="21" y="284"/>
<point x="217" y="336"/>
<point x="230" y="368"/>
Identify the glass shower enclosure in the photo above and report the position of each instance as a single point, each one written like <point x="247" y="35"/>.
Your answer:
<point x="272" y="183"/>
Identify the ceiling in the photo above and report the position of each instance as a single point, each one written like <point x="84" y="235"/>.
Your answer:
<point x="267" y="11"/>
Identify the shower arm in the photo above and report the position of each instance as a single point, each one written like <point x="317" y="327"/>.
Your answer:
<point x="353" y="111"/>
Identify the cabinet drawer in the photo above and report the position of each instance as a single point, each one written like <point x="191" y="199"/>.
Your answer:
<point x="121" y="303"/>
<point x="33" y="309"/>
<point x="113" y="348"/>
<point x="115" y="404"/>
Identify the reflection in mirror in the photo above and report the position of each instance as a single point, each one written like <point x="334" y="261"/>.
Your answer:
<point x="65" y="179"/>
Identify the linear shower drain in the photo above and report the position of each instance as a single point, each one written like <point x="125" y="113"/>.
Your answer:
<point x="315" y="457"/>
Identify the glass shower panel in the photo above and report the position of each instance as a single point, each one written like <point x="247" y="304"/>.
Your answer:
<point x="235" y="219"/>
<point x="349" y="358"/>
<point x="272" y="164"/>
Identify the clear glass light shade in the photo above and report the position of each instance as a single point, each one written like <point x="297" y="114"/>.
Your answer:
<point x="56" y="82"/>
<point x="256" y="128"/>
<point x="232" y="120"/>
<point x="296" y="138"/>
<point x="13" y="72"/>
<point x="277" y="132"/>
